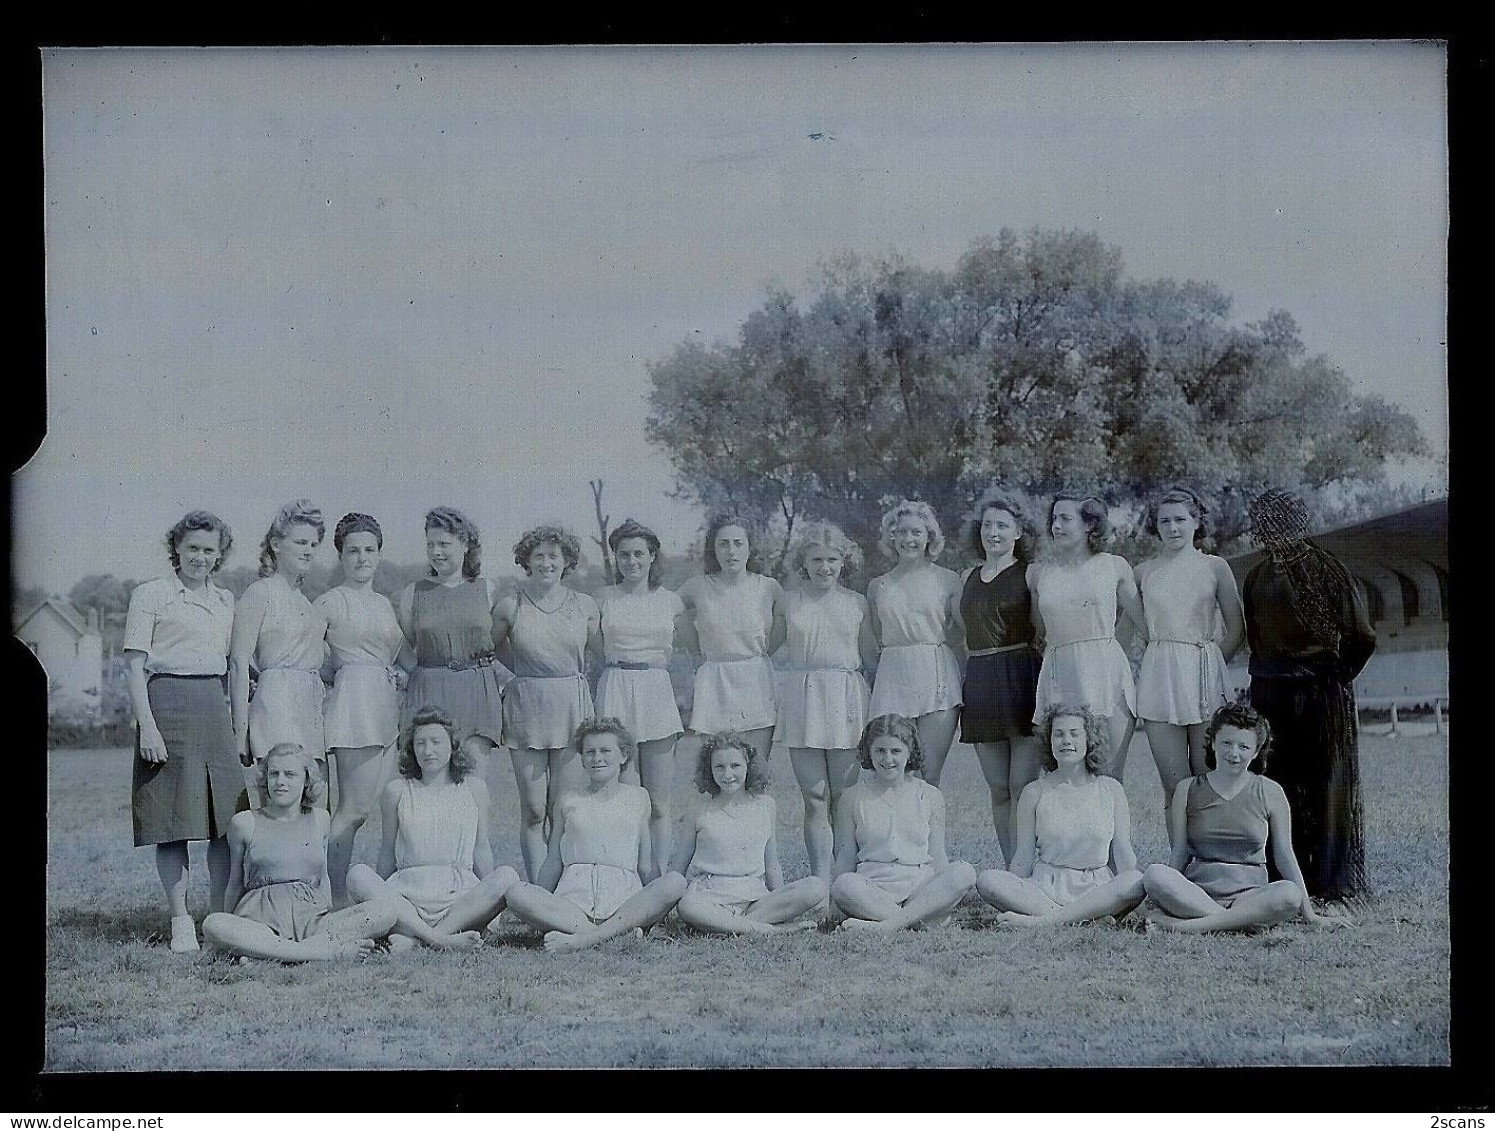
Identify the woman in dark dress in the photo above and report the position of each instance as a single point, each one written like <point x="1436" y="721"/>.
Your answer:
<point x="1309" y="635"/>
<point x="1001" y="673"/>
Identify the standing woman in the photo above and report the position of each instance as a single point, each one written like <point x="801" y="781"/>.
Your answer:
<point x="736" y="619"/>
<point x="1183" y="680"/>
<point x="370" y="657"/>
<point x="824" y="697"/>
<point x="915" y="611"/>
<point x="1001" y="681"/>
<point x="186" y="779"/>
<point x="448" y="617"/>
<point x="278" y="632"/>
<point x="1076" y="594"/>
<point x="638" y="620"/>
<point x="550" y="627"/>
<point x="1309" y="635"/>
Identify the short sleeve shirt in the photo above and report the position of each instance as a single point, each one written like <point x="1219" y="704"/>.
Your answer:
<point x="181" y="631"/>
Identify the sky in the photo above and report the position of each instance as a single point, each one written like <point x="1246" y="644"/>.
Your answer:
<point x="391" y="278"/>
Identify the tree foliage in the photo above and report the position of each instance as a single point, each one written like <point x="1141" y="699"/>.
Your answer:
<point x="1035" y="362"/>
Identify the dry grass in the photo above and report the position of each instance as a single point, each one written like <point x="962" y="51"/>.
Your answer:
<point x="117" y="999"/>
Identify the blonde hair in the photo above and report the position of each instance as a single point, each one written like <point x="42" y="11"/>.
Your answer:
<point x="313" y="793"/>
<point x="297" y="513"/>
<point x="823" y="534"/>
<point x="911" y="508"/>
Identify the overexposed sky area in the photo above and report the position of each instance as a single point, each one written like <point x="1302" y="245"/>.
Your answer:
<point x="389" y="278"/>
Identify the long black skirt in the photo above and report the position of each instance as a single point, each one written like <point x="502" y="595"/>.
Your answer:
<point x="1315" y="758"/>
<point x="194" y="793"/>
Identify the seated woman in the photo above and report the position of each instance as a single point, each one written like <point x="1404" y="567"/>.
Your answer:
<point x="891" y="867"/>
<point x="1222" y="824"/>
<point x="435" y="858"/>
<point x="598" y="878"/>
<point x="277" y="862"/>
<point x="1072" y="826"/>
<point x="730" y="856"/>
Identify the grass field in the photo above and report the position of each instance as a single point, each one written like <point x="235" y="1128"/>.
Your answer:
<point x="118" y="999"/>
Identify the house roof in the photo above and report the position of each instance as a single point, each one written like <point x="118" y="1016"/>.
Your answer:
<point x="65" y="611"/>
<point x="1415" y="532"/>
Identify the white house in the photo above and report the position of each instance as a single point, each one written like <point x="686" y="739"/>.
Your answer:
<point x="71" y="652"/>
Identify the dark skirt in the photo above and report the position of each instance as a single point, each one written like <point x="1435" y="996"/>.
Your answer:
<point x="998" y="696"/>
<point x="194" y="793"/>
<point x="1315" y="758"/>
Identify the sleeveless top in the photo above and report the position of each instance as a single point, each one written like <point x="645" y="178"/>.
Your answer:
<point x="549" y="644"/>
<point x="1178" y="599"/>
<point x="731" y="839"/>
<point x="913" y="610"/>
<point x="294" y="866"/>
<point x="604" y="830"/>
<point x="733" y="624"/>
<point x="893" y="828"/>
<point x="823" y="631"/>
<point x="450" y="622"/>
<point x="361" y="627"/>
<point x="437" y="825"/>
<point x="1230" y="831"/>
<point x="1074" y="825"/>
<point x="292" y="632"/>
<point x="1079" y="604"/>
<point x="639" y="629"/>
<point x="997" y="613"/>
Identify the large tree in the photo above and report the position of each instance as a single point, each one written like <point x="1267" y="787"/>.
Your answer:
<point x="1034" y="361"/>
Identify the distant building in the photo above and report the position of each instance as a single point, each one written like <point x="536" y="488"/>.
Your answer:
<point x="1400" y="562"/>
<point x="71" y="652"/>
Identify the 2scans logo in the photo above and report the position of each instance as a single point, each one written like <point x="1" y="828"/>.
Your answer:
<point x="1447" y="1123"/>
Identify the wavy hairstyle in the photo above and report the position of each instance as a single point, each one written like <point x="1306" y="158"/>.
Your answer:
<point x="198" y="520"/>
<point x="462" y="762"/>
<point x="758" y="777"/>
<point x="313" y="792"/>
<point x="823" y="534"/>
<point x="1097" y="742"/>
<point x="1000" y="498"/>
<point x="1242" y="716"/>
<point x="300" y="512"/>
<point x="531" y="539"/>
<point x="891" y="726"/>
<point x="631" y="529"/>
<point x="910" y="508"/>
<point x="709" y="560"/>
<point x="1197" y="507"/>
<point x="459" y="526"/>
<point x="606" y="724"/>
<point x="1093" y="513"/>
<point x="355" y="523"/>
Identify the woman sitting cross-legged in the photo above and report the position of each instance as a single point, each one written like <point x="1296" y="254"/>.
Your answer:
<point x="1223" y="823"/>
<point x="1072" y="826"/>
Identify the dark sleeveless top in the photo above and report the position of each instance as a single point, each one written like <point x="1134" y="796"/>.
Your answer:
<point x="997" y="613"/>
<point x="450" y="622"/>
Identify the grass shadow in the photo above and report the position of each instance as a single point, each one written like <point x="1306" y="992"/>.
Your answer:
<point x="148" y="925"/>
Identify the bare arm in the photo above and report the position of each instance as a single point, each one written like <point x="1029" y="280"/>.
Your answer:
<point x="937" y="853"/>
<point x="550" y="871"/>
<point x="1280" y="841"/>
<point x="249" y="615"/>
<point x="1178" y="826"/>
<point x="873" y="587"/>
<point x="482" y="850"/>
<point x="1228" y="597"/>
<point x="389" y="825"/>
<point x="685" y="849"/>
<point x="1129" y="599"/>
<point x="846" y="843"/>
<point x="866" y="640"/>
<point x="152" y="745"/>
<point x="504" y="610"/>
<point x="323" y="821"/>
<point x="594" y="630"/>
<point x="773" y="874"/>
<point x="238" y="829"/>
<point x="405" y="611"/>
<point x="1123" y="855"/>
<point x="1039" y="632"/>
<point x="1024" y="832"/>
<point x="778" y="630"/>
<point x="646" y="869"/>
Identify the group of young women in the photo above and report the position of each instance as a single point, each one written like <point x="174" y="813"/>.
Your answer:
<point x="1040" y="650"/>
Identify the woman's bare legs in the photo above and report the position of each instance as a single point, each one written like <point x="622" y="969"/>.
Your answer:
<point x="366" y="885"/>
<point x="218" y="866"/>
<point x="1024" y="904"/>
<point x="777" y="912"/>
<point x="1119" y="727"/>
<point x="656" y="773"/>
<point x="358" y="772"/>
<point x="532" y="776"/>
<point x="1170" y="752"/>
<point x="869" y="908"/>
<point x="823" y="776"/>
<point x="171" y="867"/>
<point x="642" y="909"/>
<point x="1187" y="907"/>
<point x="936" y="733"/>
<point x="563" y="775"/>
<point x="1196" y="749"/>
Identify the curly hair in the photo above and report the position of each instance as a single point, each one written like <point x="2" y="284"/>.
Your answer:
<point x="313" y="792"/>
<point x="301" y="512"/>
<point x="532" y="539"/>
<point x="631" y="529"/>
<point x="710" y="563"/>
<point x="355" y="523"/>
<point x="1242" y="716"/>
<point x="1197" y="507"/>
<point x="891" y="726"/>
<point x="823" y="534"/>
<point x="459" y="526"/>
<point x="606" y="724"/>
<point x="198" y="520"/>
<point x="999" y="498"/>
<point x="758" y="777"/>
<point x="1093" y="514"/>
<point x="1097" y="742"/>
<point x="462" y="762"/>
<point x="910" y="508"/>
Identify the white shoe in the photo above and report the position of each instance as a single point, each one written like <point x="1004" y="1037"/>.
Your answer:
<point x="183" y="934"/>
